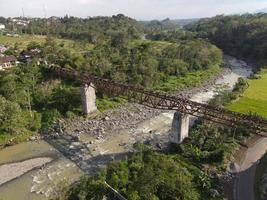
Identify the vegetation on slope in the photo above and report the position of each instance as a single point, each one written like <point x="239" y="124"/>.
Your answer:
<point x="20" y="43"/>
<point x="189" y="80"/>
<point x="149" y="175"/>
<point x="242" y="36"/>
<point x="146" y="66"/>
<point x="166" y="24"/>
<point x="29" y="100"/>
<point x="93" y="30"/>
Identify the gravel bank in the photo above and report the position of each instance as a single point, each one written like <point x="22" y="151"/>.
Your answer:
<point x="125" y="117"/>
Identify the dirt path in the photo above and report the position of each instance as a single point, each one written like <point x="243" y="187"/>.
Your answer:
<point x="245" y="179"/>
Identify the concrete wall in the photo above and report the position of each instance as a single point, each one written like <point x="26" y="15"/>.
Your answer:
<point x="180" y="127"/>
<point x="88" y="99"/>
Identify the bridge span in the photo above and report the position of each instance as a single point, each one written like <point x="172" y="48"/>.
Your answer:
<point x="184" y="107"/>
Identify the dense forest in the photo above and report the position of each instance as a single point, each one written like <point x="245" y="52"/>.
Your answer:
<point x="166" y="24"/>
<point x="243" y="36"/>
<point x="93" y="30"/>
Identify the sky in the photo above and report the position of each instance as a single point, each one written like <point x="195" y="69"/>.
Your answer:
<point x="138" y="9"/>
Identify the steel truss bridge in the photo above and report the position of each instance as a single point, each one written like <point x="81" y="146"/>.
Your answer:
<point x="159" y="100"/>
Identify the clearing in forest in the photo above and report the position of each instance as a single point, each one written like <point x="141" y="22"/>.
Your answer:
<point x="23" y="41"/>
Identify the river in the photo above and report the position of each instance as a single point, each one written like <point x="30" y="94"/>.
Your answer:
<point x="57" y="166"/>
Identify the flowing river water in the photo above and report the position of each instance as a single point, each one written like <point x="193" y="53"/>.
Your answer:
<point x="38" y="170"/>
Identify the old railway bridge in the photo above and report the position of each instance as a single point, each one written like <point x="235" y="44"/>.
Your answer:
<point x="184" y="107"/>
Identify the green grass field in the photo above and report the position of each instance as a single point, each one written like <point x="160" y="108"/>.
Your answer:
<point x="23" y="41"/>
<point x="254" y="99"/>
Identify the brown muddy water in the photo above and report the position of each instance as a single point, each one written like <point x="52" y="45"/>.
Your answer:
<point x="37" y="183"/>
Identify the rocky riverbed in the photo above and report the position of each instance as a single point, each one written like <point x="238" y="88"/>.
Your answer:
<point x="125" y="117"/>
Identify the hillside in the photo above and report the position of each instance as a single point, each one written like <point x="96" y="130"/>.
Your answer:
<point x="167" y="24"/>
<point x="243" y="36"/>
<point x="93" y="29"/>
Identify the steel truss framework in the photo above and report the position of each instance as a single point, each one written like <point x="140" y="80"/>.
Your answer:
<point x="159" y="100"/>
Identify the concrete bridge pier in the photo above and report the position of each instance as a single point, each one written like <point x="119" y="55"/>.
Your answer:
<point x="180" y="127"/>
<point x="88" y="96"/>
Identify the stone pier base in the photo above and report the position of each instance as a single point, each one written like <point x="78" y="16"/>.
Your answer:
<point x="88" y="96"/>
<point x="180" y="128"/>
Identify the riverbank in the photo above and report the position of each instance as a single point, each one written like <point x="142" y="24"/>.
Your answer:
<point x="38" y="181"/>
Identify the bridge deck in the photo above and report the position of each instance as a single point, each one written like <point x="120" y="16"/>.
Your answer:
<point x="164" y="101"/>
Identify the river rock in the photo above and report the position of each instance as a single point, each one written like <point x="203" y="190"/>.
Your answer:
<point x="106" y="118"/>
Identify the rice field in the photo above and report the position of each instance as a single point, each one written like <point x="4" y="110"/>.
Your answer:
<point x="254" y="100"/>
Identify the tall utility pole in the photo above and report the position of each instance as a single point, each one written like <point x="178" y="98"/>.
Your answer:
<point x="46" y="22"/>
<point x="23" y="14"/>
<point x="44" y="9"/>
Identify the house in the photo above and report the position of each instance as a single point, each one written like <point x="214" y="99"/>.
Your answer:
<point x="21" y="22"/>
<point x="27" y="55"/>
<point x="7" y="62"/>
<point x="12" y="35"/>
<point x="2" y="26"/>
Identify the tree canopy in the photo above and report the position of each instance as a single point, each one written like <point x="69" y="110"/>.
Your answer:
<point x="243" y="36"/>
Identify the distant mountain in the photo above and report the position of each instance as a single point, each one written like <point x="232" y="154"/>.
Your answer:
<point x="262" y="10"/>
<point x="183" y="22"/>
<point x="168" y="24"/>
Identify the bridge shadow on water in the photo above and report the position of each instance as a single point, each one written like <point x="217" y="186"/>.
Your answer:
<point x="79" y="153"/>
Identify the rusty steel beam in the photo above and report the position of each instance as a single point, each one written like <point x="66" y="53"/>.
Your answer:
<point x="166" y="102"/>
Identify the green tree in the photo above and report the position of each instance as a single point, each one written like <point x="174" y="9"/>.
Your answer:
<point x="12" y="118"/>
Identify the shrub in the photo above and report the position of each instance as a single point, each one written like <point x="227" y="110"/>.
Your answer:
<point x="49" y="116"/>
<point x="70" y="115"/>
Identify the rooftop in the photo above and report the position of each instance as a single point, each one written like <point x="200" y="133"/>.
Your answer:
<point x="6" y="59"/>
